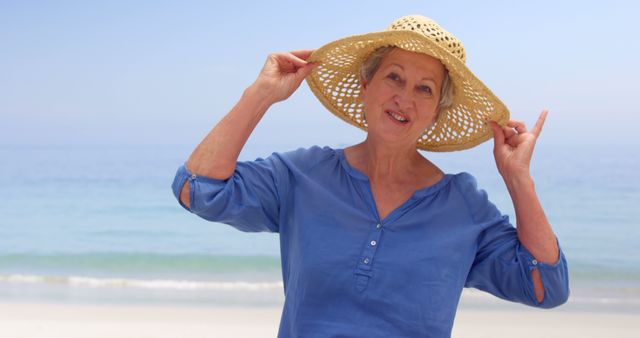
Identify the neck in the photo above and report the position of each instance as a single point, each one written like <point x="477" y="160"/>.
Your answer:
<point x="379" y="160"/>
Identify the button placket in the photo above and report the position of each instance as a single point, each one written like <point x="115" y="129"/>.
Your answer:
<point x="363" y="270"/>
<point x="366" y="258"/>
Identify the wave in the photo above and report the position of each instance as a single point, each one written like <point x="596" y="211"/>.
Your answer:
<point x="154" y="284"/>
<point x="120" y="263"/>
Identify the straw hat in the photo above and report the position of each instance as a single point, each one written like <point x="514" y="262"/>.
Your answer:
<point x="336" y="82"/>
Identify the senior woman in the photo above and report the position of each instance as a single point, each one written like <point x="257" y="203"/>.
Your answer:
<point x="376" y="241"/>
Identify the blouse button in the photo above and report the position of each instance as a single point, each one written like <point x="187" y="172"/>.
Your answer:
<point x="373" y="243"/>
<point x="534" y="262"/>
<point x="366" y="261"/>
<point x="378" y="226"/>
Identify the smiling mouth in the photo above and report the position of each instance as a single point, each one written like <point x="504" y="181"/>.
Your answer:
<point x="397" y="116"/>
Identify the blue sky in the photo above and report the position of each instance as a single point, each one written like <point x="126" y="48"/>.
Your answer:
<point x="164" y="72"/>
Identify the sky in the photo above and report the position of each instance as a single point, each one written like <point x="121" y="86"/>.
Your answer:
<point x="164" y="72"/>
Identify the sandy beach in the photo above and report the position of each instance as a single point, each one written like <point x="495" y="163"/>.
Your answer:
<point x="57" y="320"/>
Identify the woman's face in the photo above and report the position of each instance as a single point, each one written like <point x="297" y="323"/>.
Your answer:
<point x="401" y="100"/>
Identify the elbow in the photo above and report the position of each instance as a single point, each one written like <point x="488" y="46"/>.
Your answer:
<point x="556" y="291"/>
<point x="181" y="187"/>
<point x="185" y="183"/>
<point x="554" y="299"/>
<point x="561" y="294"/>
<point x="555" y="283"/>
<point x="184" y="196"/>
<point x="202" y="196"/>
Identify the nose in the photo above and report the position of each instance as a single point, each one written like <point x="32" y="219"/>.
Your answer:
<point x="404" y="99"/>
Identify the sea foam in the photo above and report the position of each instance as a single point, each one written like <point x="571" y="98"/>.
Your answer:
<point x="84" y="281"/>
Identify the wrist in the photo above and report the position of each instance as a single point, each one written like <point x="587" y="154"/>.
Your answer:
<point x="260" y="94"/>
<point x="519" y="181"/>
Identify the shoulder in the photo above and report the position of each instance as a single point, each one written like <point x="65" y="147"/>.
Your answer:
<point x="307" y="158"/>
<point x="299" y="161"/>
<point x="467" y="185"/>
<point x="477" y="199"/>
<point x="465" y="182"/>
<point x="308" y="153"/>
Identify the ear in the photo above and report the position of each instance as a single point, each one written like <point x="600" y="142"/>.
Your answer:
<point x="363" y="87"/>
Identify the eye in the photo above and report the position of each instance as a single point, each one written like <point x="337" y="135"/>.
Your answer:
<point x="425" y="89"/>
<point x="393" y="76"/>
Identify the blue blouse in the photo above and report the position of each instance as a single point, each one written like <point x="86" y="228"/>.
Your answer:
<point x="348" y="273"/>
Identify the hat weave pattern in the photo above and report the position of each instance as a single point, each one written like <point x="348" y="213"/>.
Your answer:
<point x="336" y="82"/>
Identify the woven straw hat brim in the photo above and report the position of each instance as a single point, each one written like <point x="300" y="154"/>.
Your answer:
<point x="336" y="83"/>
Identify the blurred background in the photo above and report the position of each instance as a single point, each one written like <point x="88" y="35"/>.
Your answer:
<point x="100" y="102"/>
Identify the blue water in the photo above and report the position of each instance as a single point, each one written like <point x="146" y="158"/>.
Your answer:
<point x="82" y="221"/>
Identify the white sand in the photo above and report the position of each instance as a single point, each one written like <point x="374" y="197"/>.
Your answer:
<point x="35" y="320"/>
<point x="540" y="323"/>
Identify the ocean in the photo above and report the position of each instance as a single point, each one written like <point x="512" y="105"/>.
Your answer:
<point x="100" y="224"/>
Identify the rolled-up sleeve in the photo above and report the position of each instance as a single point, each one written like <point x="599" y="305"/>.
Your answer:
<point x="249" y="200"/>
<point x="503" y="265"/>
<point x="555" y="278"/>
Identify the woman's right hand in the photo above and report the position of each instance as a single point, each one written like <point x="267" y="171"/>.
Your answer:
<point x="282" y="74"/>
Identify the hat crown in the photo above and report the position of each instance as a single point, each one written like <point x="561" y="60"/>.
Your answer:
<point x="431" y="30"/>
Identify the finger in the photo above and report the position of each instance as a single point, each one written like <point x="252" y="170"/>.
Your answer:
<point x="518" y="125"/>
<point x="508" y="132"/>
<point x="289" y="60"/>
<point x="303" y="53"/>
<point x="511" y="136"/>
<point x="498" y="135"/>
<point x="537" y="128"/>
<point x="513" y="140"/>
<point x="304" y="71"/>
<point x="298" y="62"/>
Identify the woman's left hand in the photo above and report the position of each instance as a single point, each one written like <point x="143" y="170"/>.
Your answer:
<point x="513" y="146"/>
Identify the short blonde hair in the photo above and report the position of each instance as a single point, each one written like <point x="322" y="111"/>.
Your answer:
<point x="370" y="66"/>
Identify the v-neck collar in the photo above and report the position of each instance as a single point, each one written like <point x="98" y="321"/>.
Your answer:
<point x="395" y="213"/>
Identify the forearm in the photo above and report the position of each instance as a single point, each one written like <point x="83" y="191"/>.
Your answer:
<point x="217" y="154"/>
<point x="534" y="230"/>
